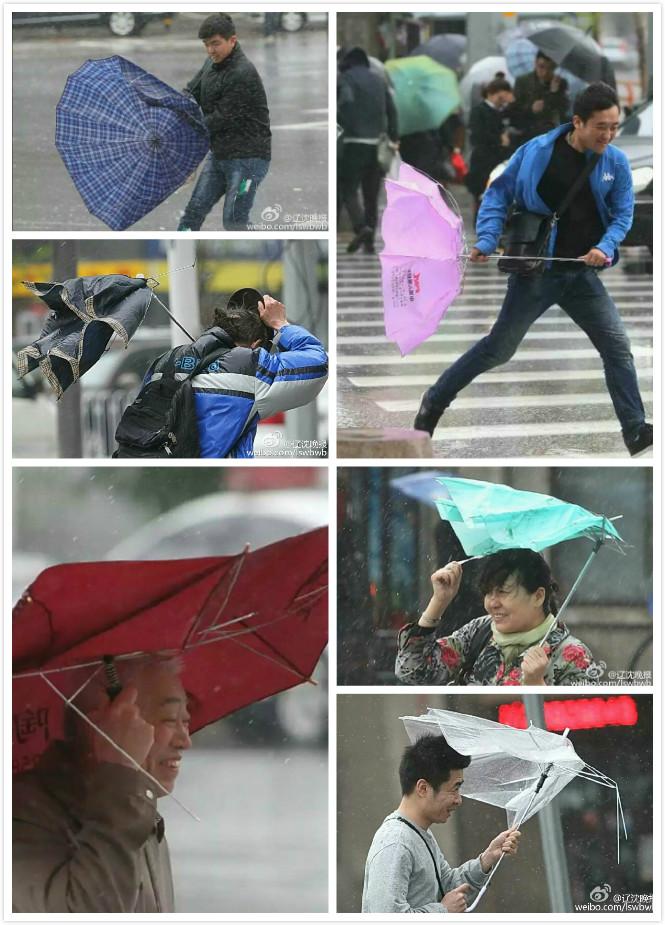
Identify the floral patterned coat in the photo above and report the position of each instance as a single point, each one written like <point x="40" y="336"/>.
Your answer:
<point x="424" y="659"/>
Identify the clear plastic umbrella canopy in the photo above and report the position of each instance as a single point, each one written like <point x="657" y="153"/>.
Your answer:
<point x="506" y="763"/>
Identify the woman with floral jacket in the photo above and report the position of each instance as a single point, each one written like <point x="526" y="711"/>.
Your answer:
<point x="503" y="647"/>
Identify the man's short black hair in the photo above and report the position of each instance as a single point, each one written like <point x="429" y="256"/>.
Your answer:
<point x="241" y="321"/>
<point x="432" y="759"/>
<point x="527" y="567"/>
<point x="217" y="24"/>
<point x="544" y="57"/>
<point x="595" y="98"/>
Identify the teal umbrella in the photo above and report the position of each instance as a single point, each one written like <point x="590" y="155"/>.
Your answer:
<point x="487" y="517"/>
<point x="426" y="92"/>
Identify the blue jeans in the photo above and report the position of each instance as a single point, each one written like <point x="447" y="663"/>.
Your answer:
<point x="237" y="180"/>
<point x="583" y="297"/>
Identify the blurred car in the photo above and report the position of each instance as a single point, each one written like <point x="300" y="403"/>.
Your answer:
<point x="119" y="23"/>
<point x="295" y="22"/>
<point x="34" y="417"/>
<point x="635" y="138"/>
<point x="221" y="524"/>
<point x="621" y="54"/>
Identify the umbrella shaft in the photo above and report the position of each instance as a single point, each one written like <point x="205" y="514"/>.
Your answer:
<point x="563" y="259"/>
<point x="173" y="318"/>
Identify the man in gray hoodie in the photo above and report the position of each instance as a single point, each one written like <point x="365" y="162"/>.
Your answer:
<point x="405" y="869"/>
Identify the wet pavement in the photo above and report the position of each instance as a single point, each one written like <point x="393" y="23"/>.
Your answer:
<point x="262" y="843"/>
<point x="549" y="400"/>
<point x="294" y="72"/>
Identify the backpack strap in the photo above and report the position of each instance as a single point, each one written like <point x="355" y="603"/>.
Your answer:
<point x="577" y="186"/>
<point x="478" y="643"/>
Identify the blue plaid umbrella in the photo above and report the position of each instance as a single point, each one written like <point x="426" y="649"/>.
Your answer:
<point x="85" y="313"/>
<point x="127" y="139"/>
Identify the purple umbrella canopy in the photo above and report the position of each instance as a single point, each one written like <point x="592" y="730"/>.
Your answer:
<point x="423" y="258"/>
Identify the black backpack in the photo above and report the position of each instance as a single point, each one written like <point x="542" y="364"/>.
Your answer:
<point x="161" y="421"/>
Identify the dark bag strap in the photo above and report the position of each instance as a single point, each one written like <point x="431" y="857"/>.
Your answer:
<point x="431" y="853"/>
<point x="577" y="186"/>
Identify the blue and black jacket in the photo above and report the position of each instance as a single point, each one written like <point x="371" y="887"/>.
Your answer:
<point x="611" y="184"/>
<point x="242" y="385"/>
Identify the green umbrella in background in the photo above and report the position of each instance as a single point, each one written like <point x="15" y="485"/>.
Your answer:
<point x="426" y="92"/>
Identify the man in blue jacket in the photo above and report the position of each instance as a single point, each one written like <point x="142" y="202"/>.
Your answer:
<point x="537" y="178"/>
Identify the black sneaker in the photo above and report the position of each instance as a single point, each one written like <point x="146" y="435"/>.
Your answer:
<point x="427" y="417"/>
<point x="642" y="442"/>
<point x="368" y="247"/>
<point x="363" y="236"/>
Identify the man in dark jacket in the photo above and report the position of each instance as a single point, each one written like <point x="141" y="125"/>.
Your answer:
<point x="541" y="100"/>
<point x="365" y="112"/>
<point x="230" y="92"/>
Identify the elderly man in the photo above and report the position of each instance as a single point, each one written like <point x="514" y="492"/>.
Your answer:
<point x="405" y="869"/>
<point x="87" y="836"/>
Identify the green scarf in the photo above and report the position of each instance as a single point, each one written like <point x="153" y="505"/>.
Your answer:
<point x="512" y="645"/>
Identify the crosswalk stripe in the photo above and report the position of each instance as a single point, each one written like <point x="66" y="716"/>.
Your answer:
<point x="561" y="375"/>
<point x="513" y="401"/>
<point x="440" y="358"/>
<point x="538" y="429"/>
<point x="375" y="306"/>
<point x="353" y="340"/>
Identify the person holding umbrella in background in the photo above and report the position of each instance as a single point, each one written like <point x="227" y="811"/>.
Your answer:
<point x="87" y="835"/>
<point x="541" y="99"/>
<point x="519" y="641"/>
<point x="230" y="92"/>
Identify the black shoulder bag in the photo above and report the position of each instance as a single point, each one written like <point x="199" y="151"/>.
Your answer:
<point x="431" y="853"/>
<point x="527" y="234"/>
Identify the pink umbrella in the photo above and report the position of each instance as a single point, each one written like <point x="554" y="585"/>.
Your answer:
<point x="423" y="259"/>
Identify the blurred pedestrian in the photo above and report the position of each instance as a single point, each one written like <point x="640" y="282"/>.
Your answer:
<point x="405" y="869"/>
<point x="235" y="381"/>
<point x="87" y="836"/>
<point x="536" y="181"/>
<point x="505" y="646"/>
<point x="367" y="116"/>
<point x="437" y="152"/>
<point x="230" y="92"/>
<point x="490" y="137"/>
<point x="541" y="99"/>
<point x="270" y="27"/>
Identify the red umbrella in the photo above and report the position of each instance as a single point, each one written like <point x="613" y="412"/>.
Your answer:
<point x="245" y="626"/>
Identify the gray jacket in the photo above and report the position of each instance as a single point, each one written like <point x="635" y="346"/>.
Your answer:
<point x="400" y="875"/>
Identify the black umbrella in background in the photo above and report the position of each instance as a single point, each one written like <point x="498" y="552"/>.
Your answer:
<point x="446" y="49"/>
<point x="572" y="49"/>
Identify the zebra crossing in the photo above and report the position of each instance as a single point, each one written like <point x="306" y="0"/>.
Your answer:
<point x="549" y="400"/>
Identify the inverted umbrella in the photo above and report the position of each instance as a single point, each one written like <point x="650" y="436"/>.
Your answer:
<point x="127" y="139"/>
<point x="448" y="50"/>
<point x="487" y="517"/>
<point x="519" y="770"/>
<point x="85" y="313"/>
<point x="245" y="627"/>
<point x="422" y="260"/>
<point x="426" y="93"/>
